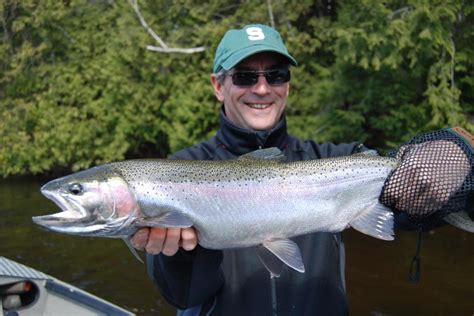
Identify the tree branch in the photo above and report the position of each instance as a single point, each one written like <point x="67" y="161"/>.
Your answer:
<point x="270" y="13"/>
<point x="163" y="47"/>
<point x="175" y="49"/>
<point x="400" y="11"/>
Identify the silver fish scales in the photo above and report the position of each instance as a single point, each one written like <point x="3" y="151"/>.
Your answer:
<point x="257" y="200"/>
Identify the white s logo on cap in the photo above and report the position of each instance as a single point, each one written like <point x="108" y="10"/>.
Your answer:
<point x="255" y="34"/>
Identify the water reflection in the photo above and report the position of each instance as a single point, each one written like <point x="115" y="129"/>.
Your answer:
<point x="376" y="272"/>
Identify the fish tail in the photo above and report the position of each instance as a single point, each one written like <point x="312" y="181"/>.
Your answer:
<point x="460" y="220"/>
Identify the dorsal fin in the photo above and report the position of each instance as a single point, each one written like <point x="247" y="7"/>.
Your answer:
<point x="272" y="153"/>
<point x="370" y="153"/>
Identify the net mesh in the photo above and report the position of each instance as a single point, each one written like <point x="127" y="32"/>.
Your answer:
<point x="434" y="178"/>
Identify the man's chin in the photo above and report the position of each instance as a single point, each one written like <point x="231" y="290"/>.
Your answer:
<point x="262" y="125"/>
<point x="261" y="121"/>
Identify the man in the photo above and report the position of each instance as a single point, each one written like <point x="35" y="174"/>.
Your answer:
<point x="251" y="78"/>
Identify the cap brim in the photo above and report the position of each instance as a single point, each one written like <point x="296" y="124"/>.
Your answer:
<point x="249" y="51"/>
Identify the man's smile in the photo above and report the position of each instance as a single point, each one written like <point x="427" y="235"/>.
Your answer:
<point x="258" y="105"/>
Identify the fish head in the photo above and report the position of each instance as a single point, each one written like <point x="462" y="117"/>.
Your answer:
<point x="93" y="202"/>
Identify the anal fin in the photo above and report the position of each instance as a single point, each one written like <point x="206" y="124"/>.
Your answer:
<point x="376" y="221"/>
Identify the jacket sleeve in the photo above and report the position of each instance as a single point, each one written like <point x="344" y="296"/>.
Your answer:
<point x="188" y="278"/>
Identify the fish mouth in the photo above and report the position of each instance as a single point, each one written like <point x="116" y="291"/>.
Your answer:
<point x="76" y="219"/>
<point x="72" y="213"/>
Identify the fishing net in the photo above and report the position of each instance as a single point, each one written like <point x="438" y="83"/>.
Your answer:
<point x="435" y="176"/>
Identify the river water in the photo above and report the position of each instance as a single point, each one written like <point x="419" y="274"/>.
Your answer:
<point x="376" y="271"/>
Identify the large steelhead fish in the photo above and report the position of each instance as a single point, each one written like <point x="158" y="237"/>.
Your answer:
<point x="256" y="200"/>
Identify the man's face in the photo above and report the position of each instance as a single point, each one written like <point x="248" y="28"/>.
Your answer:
<point x="258" y="107"/>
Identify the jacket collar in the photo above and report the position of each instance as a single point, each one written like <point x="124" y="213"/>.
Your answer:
<point x="240" y="141"/>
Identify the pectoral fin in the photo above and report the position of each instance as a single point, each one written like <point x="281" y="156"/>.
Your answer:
<point x="132" y="250"/>
<point x="460" y="220"/>
<point x="169" y="219"/>
<point x="285" y="250"/>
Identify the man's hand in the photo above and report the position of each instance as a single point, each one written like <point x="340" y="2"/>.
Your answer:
<point x="428" y="175"/>
<point x="165" y="240"/>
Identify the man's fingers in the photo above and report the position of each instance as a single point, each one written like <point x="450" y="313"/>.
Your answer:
<point x="171" y="244"/>
<point x="155" y="240"/>
<point x="140" y="238"/>
<point x="188" y="238"/>
<point x="166" y="240"/>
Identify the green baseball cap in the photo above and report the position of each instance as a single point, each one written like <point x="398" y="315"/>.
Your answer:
<point x="237" y="45"/>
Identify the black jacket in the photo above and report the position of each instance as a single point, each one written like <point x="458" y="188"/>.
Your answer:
<point x="235" y="282"/>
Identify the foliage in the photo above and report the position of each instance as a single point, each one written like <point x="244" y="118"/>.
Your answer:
<point x="398" y="69"/>
<point x="79" y="88"/>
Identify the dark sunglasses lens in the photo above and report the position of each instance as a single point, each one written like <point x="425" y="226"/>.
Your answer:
<point x="273" y="77"/>
<point x="247" y="78"/>
<point x="278" y="76"/>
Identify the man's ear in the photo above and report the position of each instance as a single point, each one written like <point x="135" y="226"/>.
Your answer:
<point x="217" y="88"/>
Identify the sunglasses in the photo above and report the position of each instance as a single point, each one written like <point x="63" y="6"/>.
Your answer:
<point x="249" y="78"/>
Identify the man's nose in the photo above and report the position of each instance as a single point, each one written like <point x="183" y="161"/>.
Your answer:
<point x="261" y="87"/>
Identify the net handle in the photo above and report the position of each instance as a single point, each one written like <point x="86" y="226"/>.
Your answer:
<point x="465" y="136"/>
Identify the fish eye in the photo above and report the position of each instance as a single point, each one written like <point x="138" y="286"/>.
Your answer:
<point x="75" y="189"/>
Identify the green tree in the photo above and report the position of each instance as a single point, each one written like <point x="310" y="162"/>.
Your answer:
<point x="78" y="86"/>
<point x="399" y="69"/>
